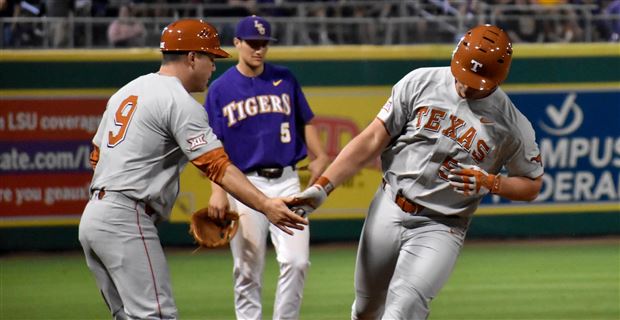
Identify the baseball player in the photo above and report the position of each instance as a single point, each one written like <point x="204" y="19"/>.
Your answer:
<point x="151" y="128"/>
<point x="443" y="136"/>
<point x="261" y="115"/>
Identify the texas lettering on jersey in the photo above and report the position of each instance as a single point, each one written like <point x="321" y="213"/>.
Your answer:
<point x="457" y="129"/>
<point x="236" y="111"/>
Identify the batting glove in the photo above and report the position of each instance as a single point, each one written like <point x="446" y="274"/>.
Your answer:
<point x="310" y="199"/>
<point x="473" y="180"/>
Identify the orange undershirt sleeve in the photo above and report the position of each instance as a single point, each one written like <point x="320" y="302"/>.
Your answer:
<point x="213" y="164"/>
<point x="94" y="156"/>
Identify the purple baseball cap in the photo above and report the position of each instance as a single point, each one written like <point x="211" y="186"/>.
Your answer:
<point x="254" y="28"/>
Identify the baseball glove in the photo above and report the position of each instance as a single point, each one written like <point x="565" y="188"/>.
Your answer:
<point x="211" y="233"/>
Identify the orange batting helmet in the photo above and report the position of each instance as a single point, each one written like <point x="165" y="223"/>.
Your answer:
<point x="482" y="58"/>
<point x="191" y="35"/>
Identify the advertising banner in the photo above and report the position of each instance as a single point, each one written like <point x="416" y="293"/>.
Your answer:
<point x="44" y="151"/>
<point x="45" y="144"/>
<point x="578" y="133"/>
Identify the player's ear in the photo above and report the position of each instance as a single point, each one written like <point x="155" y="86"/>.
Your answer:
<point x="237" y="42"/>
<point x="191" y="58"/>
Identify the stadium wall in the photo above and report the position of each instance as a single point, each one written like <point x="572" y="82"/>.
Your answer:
<point x="51" y="101"/>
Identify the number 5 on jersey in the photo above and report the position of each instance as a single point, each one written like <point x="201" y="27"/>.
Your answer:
<point x="122" y="118"/>
<point x="285" y="133"/>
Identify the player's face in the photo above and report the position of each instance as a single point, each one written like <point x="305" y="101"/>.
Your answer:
<point x="252" y="52"/>
<point x="469" y="93"/>
<point x="204" y="65"/>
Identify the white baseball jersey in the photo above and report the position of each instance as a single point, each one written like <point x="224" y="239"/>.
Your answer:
<point x="150" y="129"/>
<point x="434" y="129"/>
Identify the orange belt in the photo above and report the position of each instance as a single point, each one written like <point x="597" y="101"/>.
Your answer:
<point x="147" y="209"/>
<point x="405" y="204"/>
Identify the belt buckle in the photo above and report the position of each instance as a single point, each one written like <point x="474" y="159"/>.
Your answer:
<point x="270" y="173"/>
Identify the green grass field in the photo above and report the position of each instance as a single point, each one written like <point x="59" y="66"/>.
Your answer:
<point x="492" y="280"/>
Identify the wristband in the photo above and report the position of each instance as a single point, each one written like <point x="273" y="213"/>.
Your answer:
<point x="496" y="182"/>
<point x="325" y="184"/>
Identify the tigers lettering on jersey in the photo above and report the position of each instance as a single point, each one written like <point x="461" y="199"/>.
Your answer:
<point x="240" y="110"/>
<point x="457" y="129"/>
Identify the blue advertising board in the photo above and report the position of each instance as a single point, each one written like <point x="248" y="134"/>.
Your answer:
<point x="578" y="133"/>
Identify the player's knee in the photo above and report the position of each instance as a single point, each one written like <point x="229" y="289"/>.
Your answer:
<point x="407" y="302"/>
<point x="246" y="276"/>
<point x="295" y="265"/>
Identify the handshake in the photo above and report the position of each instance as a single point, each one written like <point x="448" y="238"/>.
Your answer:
<point x="310" y="199"/>
<point x="465" y="179"/>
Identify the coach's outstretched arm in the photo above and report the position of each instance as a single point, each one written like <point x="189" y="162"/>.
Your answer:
<point x="216" y="165"/>
<point x="364" y="148"/>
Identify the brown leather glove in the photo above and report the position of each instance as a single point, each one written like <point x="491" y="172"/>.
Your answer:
<point x="211" y="233"/>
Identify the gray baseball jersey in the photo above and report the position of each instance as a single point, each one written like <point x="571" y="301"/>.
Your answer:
<point x="151" y="128"/>
<point x="149" y="131"/>
<point x="434" y="129"/>
<point x="404" y="259"/>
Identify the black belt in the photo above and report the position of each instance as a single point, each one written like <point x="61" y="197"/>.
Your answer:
<point x="100" y="194"/>
<point x="270" y="173"/>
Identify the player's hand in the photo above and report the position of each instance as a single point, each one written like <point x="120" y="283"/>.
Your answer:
<point x="282" y="217"/>
<point x="307" y="201"/>
<point x="218" y="205"/>
<point x="473" y="180"/>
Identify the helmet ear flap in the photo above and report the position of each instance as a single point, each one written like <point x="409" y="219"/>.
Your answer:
<point x="482" y="57"/>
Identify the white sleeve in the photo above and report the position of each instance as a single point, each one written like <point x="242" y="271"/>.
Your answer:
<point x="189" y="123"/>
<point x="98" y="138"/>
<point x="526" y="159"/>
<point x="396" y="111"/>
